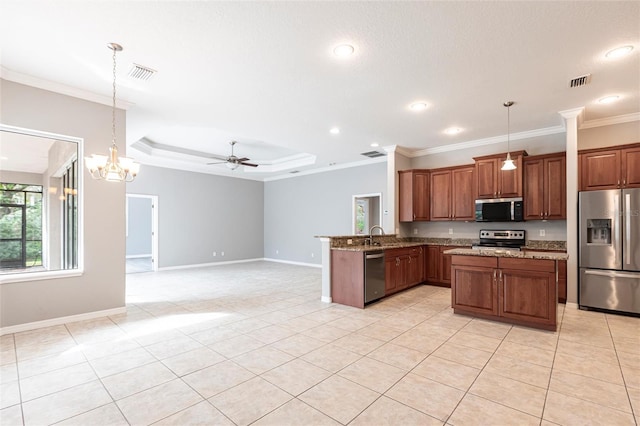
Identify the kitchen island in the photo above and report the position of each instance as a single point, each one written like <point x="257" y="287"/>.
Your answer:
<point x="519" y="287"/>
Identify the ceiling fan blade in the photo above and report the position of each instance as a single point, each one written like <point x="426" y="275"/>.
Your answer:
<point x="219" y="162"/>
<point x="248" y="164"/>
<point x="217" y="157"/>
<point x="242" y="159"/>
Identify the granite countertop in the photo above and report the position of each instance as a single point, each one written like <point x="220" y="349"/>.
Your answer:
<point x="382" y="246"/>
<point x="527" y="254"/>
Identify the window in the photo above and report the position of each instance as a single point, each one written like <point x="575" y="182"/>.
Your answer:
<point x="20" y="226"/>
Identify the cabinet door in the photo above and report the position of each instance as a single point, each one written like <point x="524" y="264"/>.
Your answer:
<point x="441" y="195"/>
<point x="631" y="168"/>
<point x="555" y="188"/>
<point x="487" y="178"/>
<point x="534" y="189"/>
<point x="390" y="268"/>
<point x="462" y="197"/>
<point x="445" y="265"/>
<point x="474" y="289"/>
<point x="431" y="263"/>
<point x="562" y="281"/>
<point x="415" y="269"/>
<point x="510" y="181"/>
<point x="600" y="170"/>
<point x="402" y="272"/>
<point x="421" y="199"/>
<point x="405" y="196"/>
<point x="527" y="296"/>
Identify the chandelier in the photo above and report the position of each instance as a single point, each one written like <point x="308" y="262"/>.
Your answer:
<point x="110" y="167"/>
<point x="508" y="164"/>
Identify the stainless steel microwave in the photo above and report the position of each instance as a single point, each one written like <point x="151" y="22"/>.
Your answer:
<point x="499" y="210"/>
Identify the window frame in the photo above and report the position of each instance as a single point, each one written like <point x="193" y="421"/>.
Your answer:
<point x="61" y="273"/>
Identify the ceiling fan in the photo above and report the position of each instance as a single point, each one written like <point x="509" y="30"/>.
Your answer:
<point x="232" y="161"/>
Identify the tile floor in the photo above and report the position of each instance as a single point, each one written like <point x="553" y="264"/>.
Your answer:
<point x="252" y="344"/>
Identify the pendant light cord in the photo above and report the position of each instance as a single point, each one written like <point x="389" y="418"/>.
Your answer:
<point x="113" y="109"/>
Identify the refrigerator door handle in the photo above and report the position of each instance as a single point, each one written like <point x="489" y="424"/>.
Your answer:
<point x="611" y="274"/>
<point x="616" y="230"/>
<point x="627" y="228"/>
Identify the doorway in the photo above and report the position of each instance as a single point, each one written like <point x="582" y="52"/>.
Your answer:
<point x="366" y="212"/>
<point x="142" y="233"/>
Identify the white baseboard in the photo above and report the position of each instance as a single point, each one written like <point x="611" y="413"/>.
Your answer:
<point x="60" y="320"/>
<point x="137" y="256"/>
<point x="204" y="265"/>
<point x="290" y="262"/>
<point x="326" y="299"/>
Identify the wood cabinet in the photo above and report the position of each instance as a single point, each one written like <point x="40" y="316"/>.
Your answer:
<point x="413" y="195"/>
<point x="403" y="268"/>
<point x="516" y="290"/>
<point x="545" y="187"/>
<point x="347" y="277"/>
<point x="609" y="168"/>
<point x="437" y="265"/>
<point x="492" y="182"/>
<point x="452" y="193"/>
<point x="562" y="281"/>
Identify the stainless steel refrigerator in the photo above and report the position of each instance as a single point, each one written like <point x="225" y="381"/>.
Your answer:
<point x="610" y="250"/>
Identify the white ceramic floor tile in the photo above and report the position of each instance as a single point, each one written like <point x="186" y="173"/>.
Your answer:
<point x="217" y="378"/>
<point x="11" y="416"/>
<point x="194" y="360"/>
<point x="137" y="379"/>
<point x="56" y="380"/>
<point x="202" y="414"/>
<point x="113" y="364"/>
<point x="107" y="415"/>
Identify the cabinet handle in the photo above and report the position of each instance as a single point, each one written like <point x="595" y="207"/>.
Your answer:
<point x="414" y="216"/>
<point x="624" y="182"/>
<point x="409" y="259"/>
<point x="618" y="183"/>
<point x="500" y="276"/>
<point x="541" y="215"/>
<point x="494" y="275"/>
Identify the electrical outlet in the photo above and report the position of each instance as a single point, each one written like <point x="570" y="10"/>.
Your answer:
<point x="221" y="253"/>
<point x="214" y="254"/>
<point x="542" y="232"/>
<point x="349" y="241"/>
<point x="415" y="231"/>
<point x="450" y="231"/>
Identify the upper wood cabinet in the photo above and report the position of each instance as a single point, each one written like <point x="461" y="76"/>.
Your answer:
<point x="414" y="195"/>
<point x="610" y="168"/>
<point x="545" y="187"/>
<point x="452" y="193"/>
<point x="492" y="182"/>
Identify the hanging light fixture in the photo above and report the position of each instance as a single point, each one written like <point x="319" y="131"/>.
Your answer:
<point x="508" y="164"/>
<point x="111" y="168"/>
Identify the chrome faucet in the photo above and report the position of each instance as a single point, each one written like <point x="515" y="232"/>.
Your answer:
<point x="371" y="233"/>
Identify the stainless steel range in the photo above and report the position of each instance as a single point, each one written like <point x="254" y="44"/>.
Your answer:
<point x="501" y="239"/>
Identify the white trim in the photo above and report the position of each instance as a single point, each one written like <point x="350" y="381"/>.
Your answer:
<point x="608" y="121"/>
<point x="138" y="256"/>
<point x="353" y="208"/>
<point x="487" y="141"/>
<point x="61" y="320"/>
<point x="63" y="89"/>
<point x="326" y="299"/>
<point x="155" y="252"/>
<point x="291" y="262"/>
<point x="204" y="265"/>
<point x="38" y="276"/>
<point x="329" y="169"/>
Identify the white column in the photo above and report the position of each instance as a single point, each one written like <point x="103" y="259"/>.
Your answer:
<point x="571" y="124"/>
<point x="326" y="269"/>
<point x="390" y="219"/>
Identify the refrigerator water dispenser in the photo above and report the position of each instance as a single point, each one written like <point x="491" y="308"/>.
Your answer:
<point x="599" y="231"/>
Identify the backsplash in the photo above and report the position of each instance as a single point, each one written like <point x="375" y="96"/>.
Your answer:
<point x="553" y="230"/>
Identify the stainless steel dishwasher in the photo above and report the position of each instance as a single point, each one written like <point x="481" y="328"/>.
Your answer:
<point x="373" y="275"/>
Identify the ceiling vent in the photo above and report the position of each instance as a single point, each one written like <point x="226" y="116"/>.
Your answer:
<point x="140" y="72"/>
<point x="580" y="81"/>
<point x="373" y="154"/>
<point x="293" y="172"/>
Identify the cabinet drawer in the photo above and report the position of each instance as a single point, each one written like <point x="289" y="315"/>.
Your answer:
<point x="487" y="262"/>
<point x="398" y="252"/>
<point x="542" y="265"/>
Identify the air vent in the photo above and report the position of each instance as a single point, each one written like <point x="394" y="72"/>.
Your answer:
<point x="293" y="172"/>
<point x="373" y="154"/>
<point x="580" y="81"/>
<point x="140" y="72"/>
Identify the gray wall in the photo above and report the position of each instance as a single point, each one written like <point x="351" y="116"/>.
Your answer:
<point x="297" y="209"/>
<point x="102" y="285"/>
<point x="617" y="134"/>
<point x="200" y="213"/>
<point x="139" y="226"/>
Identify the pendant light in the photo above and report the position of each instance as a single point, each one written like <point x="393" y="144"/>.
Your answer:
<point x="111" y="168"/>
<point x="508" y="164"/>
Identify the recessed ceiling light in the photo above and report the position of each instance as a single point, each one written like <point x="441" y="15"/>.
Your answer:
<point x="375" y="145"/>
<point x="418" y="106"/>
<point x="453" y="130"/>
<point x="619" y="51"/>
<point x="344" y="50"/>
<point x="334" y="131"/>
<point x="608" y="99"/>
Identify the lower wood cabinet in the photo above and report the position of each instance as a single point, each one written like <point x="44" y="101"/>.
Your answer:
<point x="516" y="290"/>
<point x="403" y="268"/>
<point x="437" y="265"/>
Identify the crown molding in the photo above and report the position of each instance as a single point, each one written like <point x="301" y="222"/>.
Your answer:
<point x="488" y="141"/>
<point x="608" y="121"/>
<point x="63" y="89"/>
